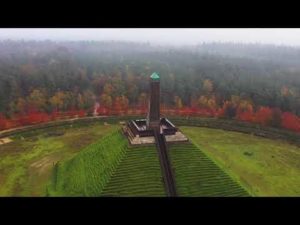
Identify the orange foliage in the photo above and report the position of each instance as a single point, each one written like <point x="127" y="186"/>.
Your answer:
<point x="244" y="112"/>
<point x="290" y="121"/>
<point x="247" y="116"/>
<point x="32" y="118"/>
<point x="263" y="116"/>
<point x="2" y="122"/>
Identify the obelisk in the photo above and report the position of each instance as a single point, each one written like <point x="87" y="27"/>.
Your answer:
<point x="153" y="117"/>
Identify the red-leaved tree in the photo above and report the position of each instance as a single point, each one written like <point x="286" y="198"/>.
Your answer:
<point x="263" y="116"/>
<point x="2" y="122"/>
<point x="290" y="121"/>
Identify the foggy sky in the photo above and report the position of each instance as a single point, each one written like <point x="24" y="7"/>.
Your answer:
<point x="160" y="36"/>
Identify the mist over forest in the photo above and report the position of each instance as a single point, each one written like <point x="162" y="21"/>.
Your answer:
<point x="48" y="76"/>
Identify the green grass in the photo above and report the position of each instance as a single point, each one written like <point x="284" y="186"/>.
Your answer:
<point x="261" y="166"/>
<point x="198" y="175"/>
<point x="138" y="174"/>
<point x="26" y="163"/>
<point x="88" y="172"/>
<point x="264" y="167"/>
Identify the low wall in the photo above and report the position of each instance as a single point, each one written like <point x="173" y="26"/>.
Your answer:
<point x="231" y="125"/>
<point x="108" y="119"/>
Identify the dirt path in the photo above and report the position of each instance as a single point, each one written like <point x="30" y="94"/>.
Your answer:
<point x="5" y="141"/>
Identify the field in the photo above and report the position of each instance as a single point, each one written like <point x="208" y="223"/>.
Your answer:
<point x="197" y="175"/>
<point x="264" y="167"/>
<point x="26" y="163"/>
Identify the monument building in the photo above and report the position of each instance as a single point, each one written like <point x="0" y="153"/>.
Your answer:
<point x="141" y="131"/>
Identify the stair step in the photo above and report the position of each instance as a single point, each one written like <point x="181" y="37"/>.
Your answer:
<point x="165" y="163"/>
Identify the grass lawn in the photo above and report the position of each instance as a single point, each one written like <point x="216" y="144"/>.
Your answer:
<point x="90" y="165"/>
<point x="26" y="163"/>
<point x="262" y="166"/>
<point x="197" y="175"/>
<point x="138" y="174"/>
<point x="87" y="173"/>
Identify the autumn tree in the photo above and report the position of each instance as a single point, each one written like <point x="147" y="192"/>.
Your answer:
<point x="290" y="121"/>
<point x="178" y="102"/>
<point x="117" y="104"/>
<point x="263" y="115"/>
<point x="132" y="93"/>
<point x="12" y="108"/>
<point x="245" y="111"/>
<point x="86" y="100"/>
<point x="117" y="85"/>
<point x="21" y="105"/>
<point x="229" y="110"/>
<point x="142" y="100"/>
<point x="108" y="89"/>
<point x="43" y="76"/>
<point x="80" y="101"/>
<point x="70" y="101"/>
<point x="106" y="101"/>
<point x="57" y="101"/>
<point x="285" y="91"/>
<point x="124" y="102"/>
<point x="194" y="102"/>
<point x="98" y="82"/>
<point x="207" y="86"/>
<point x="37" y="100"/>
<point x="202" y="101"/>
<point x="276" y="117"/>
<point x="207" y="102"/>
<point x="2" y="122"/>
<point x="121" y="103"/>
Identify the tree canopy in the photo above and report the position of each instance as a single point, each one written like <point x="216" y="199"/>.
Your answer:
<point x="47" y="77"/>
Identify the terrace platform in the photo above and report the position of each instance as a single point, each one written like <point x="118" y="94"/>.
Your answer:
<point x="138" y="134"/>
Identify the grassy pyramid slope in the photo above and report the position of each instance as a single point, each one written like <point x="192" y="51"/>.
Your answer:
<point x="198" y="175"/>
<point x="137" y="175"/>
<point x="87" y="173"/>
<point x="109" y="168"/>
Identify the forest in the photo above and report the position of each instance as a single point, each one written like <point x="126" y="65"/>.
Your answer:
<point x="42" y="81"/>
